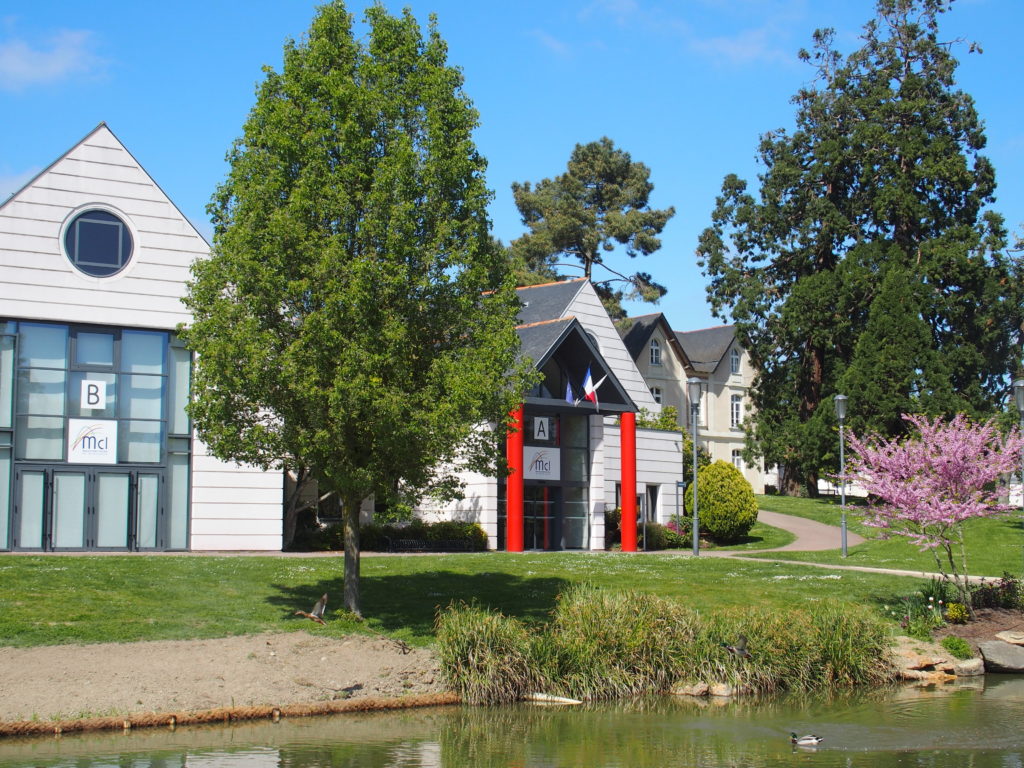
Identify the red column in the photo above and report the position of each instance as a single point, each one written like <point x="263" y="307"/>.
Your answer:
<point x="628" y="444"/>
<point x="514" y="483"/>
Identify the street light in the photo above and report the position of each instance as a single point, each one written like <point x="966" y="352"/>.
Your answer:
<point x="693" y="387"/>
<point x="1018" y="396"/>
<point x="840" y="403"/>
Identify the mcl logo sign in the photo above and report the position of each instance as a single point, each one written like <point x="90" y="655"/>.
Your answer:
<point x="92" y="441"/>
<point x="541" y="463"/>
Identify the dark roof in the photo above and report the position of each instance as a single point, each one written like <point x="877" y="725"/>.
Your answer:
<point x="635" y="337"/>
<point x="705" y="348"/>
<point x="537" y="340"/>
<point x="548" y="301"/>
<point x="567" y="341"/>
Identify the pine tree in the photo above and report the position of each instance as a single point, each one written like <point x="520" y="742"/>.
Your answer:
<point x="881" y="173"/>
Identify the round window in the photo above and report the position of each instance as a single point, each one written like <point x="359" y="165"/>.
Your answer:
<point x="98" y="243"/>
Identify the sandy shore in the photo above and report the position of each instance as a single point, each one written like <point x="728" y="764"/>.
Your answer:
<point x="75" y="681"/>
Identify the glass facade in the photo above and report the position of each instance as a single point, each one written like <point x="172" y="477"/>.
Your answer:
<point x="95" y="445"/>
<point x="556" y="510"/>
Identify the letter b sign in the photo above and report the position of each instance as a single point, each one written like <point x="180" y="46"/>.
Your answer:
<point x="94" y="395"/>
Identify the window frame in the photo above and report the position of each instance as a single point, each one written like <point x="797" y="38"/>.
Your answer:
<point x="655" y="348"/>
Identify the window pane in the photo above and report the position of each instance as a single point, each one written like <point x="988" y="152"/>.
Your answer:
<point x="43" y="346"/>
<point x="574" y="520"/>
<point x="39" y="437"/>
<point x="6" y="380"/>
<point x="41" y="392"/>
<point x="5" y="495"/>
<point x="146" y="503"/>
<point x="68" y="509"/>
<point x="142" y="352"/>
<point x="30" y="506"/>
<point x="181" y="369"/>
<point x="112" y="510"/>
<point x="574" y="430"/>
<point x="94" y="349"/>
<point x="109" y="411"/>
<point x="142" y="397"/>
<point x="178" y="471"/>
<point x="577" y="464"/>
<point x="139" y="441"/>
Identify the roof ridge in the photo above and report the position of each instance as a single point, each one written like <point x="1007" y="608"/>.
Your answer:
<point x="547" y="322"/>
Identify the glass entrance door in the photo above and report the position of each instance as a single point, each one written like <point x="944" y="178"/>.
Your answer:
<point x="542" y="527"/>
<point x="90" y="508"/>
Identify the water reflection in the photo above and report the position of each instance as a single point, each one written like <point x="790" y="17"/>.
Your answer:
<point x="975" y="724"/>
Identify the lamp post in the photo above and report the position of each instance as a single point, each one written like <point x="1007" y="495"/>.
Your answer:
<point x="1018" y="396"/>
<point x="693" y="387"/>
<point x="840" y="402"/>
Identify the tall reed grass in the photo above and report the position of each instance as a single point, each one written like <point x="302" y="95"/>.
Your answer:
<point x="603" y="644"/>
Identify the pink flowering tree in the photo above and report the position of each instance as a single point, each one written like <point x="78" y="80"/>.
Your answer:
<point x="925" y="486"/>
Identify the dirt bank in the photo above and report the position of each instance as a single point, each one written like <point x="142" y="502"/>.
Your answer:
<point x="73" y="681"/>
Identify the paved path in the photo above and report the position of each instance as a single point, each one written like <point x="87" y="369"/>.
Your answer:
<point x="812" y="536"/>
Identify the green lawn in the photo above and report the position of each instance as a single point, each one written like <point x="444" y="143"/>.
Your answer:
<point x="994" y="545"/>
<point x="52" y="600"/>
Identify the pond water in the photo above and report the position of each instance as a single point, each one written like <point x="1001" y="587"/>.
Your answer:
<point x="977" y="724"/>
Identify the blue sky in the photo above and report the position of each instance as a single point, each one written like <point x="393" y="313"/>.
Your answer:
<point x="685" y="86"/>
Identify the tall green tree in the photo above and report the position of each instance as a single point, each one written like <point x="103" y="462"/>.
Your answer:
<point x="355" y="317"/>
<point x="600" y="203"/>
<point x="871" y="217"/>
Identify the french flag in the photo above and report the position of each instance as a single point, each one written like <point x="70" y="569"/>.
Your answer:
<point x="590" y="388"/>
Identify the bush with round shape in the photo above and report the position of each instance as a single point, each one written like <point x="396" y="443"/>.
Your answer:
<point x="726" y="507"/>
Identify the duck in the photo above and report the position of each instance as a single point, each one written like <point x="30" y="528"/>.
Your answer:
<point x="317" y="614"/>
<point x="810" y="740"/>
<point x="739" y="649"/>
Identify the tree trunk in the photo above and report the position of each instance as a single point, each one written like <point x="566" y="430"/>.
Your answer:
<point x="351" y="517"/>
<point x="291" y="508"/>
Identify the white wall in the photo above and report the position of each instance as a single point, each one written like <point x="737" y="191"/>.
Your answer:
<point x="37" y="281"/>
<point x="233" y="507"/>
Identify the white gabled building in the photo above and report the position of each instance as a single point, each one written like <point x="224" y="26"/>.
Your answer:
<point x="96" y="451"/>
<point x="571" y="452"/>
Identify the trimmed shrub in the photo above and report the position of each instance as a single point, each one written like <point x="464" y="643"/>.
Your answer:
<point x="655" y="536"/>
<point x="727" y="509"/>
<point x="373" y="537"/>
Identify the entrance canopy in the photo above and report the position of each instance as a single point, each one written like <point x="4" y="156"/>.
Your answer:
<point x="563" y="351"/>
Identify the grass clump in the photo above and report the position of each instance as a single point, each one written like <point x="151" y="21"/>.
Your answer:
<point x="603" y="644"/>
<point x="958" y="647"/>
<point x="484" y="656"/>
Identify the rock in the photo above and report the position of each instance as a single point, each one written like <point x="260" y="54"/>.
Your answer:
<point x="927" y="676"/>
<point x="1014" y="638"/>
<point x="721" y="689"/>
<point x="695" y="689"/>
<point x="1002" y="657"/>
<point x="969" y="667"/>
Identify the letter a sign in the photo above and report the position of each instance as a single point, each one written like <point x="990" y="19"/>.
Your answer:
<point x="94" y="395"/>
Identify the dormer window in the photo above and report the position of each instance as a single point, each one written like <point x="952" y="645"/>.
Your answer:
<point x="98" y="243"/>
<point x="655" y="352"/>
<point x="734" y="360"/>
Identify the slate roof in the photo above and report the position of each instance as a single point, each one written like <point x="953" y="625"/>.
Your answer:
<point x="639" y="332"/>
<point x="537" y="339"/>
<point x="706" y="348"/>
<point x="548" y="301"/>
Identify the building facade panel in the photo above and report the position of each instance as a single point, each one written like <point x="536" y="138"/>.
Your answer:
<point x="96" y="451"/>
